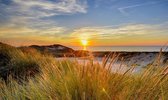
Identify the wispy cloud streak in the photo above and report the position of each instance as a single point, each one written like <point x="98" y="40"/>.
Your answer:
<point x="110" y="32"/>
<point x="124" y="10"/>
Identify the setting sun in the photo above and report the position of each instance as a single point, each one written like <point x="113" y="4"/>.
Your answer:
<point x="84" y="42"/>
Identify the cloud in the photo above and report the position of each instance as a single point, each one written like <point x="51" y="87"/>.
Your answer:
<point x="44" y="8"/>
<point x="98" y="34"/>
<point x="124" y="10"/>
<point x="37" y="13"/>
<point x="118" y="32"/>
<point x="31" y="18"/>
<point x="102" y="32"/>
<point x="12" y="32"/>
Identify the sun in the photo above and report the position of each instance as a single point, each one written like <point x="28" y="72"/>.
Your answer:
<point x="84" y="42"/>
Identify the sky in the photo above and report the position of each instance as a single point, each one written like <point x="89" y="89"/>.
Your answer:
<point x="100" y="22"/>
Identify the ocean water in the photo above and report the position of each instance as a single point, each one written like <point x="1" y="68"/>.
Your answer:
<point x="123" y="48"/>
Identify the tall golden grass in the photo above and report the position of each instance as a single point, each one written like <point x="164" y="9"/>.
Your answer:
<point x="71" y="80"/>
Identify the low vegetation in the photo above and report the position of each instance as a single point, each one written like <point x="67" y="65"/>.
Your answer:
<point x="70" y="80"/>
<point x="18" y="63"/>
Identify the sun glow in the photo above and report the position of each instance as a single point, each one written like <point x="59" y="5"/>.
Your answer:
<point x="84" y="43"/>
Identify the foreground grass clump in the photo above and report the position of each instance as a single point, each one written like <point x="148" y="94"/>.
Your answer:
<point x="70" y="80"/>
<point x="18" y="63"/>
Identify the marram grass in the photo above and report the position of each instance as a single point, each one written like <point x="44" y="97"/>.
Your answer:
<point x="70" y="80"/>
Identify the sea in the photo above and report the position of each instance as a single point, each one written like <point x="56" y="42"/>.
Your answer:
<point x="123" y="48"/>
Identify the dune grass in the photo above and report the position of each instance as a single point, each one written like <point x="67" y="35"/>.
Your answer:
<point x="18" y="63"/>
<point x="71" y="80"/>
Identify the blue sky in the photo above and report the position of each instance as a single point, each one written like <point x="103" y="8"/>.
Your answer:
<point x="101" y="22"/>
